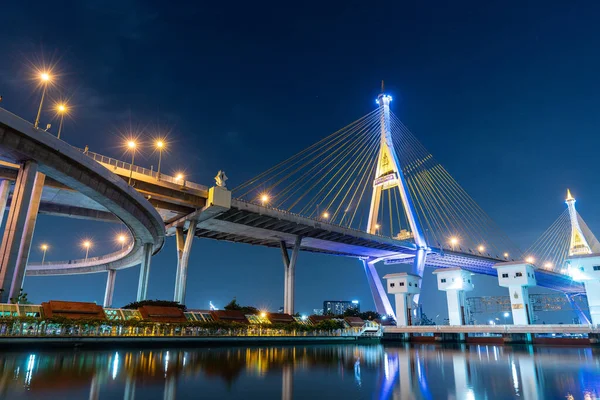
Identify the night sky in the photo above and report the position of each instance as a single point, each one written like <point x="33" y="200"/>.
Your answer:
<point x="505" y="97"/>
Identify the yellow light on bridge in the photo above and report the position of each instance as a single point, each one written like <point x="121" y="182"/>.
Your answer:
<point x="548" y="265"/>
<point x="131" y="144"/>
<point x="45" y="76"/>
<point x="481" y="248"/>
<point x="160" y="144"/>
<point x="44" y="247"/>
<point x="179" y="176"/>
<point x="86" y="244"/>
<point x="263" y="314"/>
<point x="326" y="215"/>
<point x="264" y="198"/>
<point x="505" y="255"/>
<point x="121" y="238"/>
<point x="530" y="260"/>
<point x="377" y="226"/>
<point x="453" y="240"/>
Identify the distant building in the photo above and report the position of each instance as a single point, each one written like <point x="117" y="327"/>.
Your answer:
<point x="317" y="311"/>
<point x="338" y="307"/>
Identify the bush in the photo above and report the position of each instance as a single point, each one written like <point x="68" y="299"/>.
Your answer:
<point x="161" y="303"/>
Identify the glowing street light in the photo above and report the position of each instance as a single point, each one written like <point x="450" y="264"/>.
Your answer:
<point x="179" y="176"/>
<point x="453" y="241"/>
<point x="530" y="260"/>
<point x="160" y="145"/>
<point x="45" y="78"/>
<point x="131" y="145"/>
<point x="86" y="245"/>
<point x="548" y="265"/>
<point x="325" y="215"/>
<point x="122" y="239"/>
<point x="44" y="248"/>
<point x="481" y="248"/>
<point x="264" y="199"/>
<point x="505" y="255"/>
<point x="61" y="109"/>
<point x="377" y="226"/>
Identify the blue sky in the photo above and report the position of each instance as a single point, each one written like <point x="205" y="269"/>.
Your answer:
<point x="504" y="96"/>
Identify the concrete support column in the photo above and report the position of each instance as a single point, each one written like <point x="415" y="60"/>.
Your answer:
<point x="4" y="191"/>
<point x="290" y="275"/>
<point x="144" y="272"/>
<point x="15" y="227"/>
<point x="404" y="286"/>
<point x="592" y="291"/>
<point x="403" y="306"/>
<point x="519" y="301"/>
<point x="25" y="247"/>
<point x="110" y="287"/>
<point x="180" y="243"/>
<point x="380" y="298"/>
<point x="182" y="265"/>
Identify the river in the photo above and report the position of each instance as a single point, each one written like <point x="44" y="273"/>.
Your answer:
<point x="305" y="372"/>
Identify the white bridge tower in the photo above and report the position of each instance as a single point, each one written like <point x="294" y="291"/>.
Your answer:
<point x="389" y="175"/>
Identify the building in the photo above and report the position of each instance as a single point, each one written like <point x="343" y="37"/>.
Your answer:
<point x="338" y="307"/>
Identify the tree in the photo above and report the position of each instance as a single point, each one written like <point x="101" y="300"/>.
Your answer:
<point x="235" y="306"/>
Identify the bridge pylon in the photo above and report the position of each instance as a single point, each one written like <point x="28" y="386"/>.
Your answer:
<point x="578" y="244"/>
<point x="388" y="175"/>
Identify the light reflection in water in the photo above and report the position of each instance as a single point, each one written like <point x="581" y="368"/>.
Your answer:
<point x="345" y="371"/>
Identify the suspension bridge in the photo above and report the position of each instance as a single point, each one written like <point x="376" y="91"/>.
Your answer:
<point x="369" y="191"/>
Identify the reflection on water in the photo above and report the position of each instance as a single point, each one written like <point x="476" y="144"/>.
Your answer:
<point x="328" y="371"/>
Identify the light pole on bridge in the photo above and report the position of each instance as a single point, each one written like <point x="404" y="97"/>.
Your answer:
<point x="61" y="109"/>
<point x="45" y="79"/>
<point x="86" y="245"/>
<point x="44" y="248"/>
<point x="160" y="145"/>
<point x="131" y="145"/>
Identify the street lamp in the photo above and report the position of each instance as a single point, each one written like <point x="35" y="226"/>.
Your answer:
<point x="506" y="255"/>
<point x="453" y="242"/>
<point x="61" y="109"/>
<point x="44" y="248"/>
<point x="160" y="145"/>
<point x="122" y="239"/>
<point x="131" y="145"/>
<point x="86" y="245"/>
<point x="45" y="78"/>
<point x="264" y="199"/>
<point x="481" y="248"/>
<point x="530" y="260"/>
<point x="325" y="215"/>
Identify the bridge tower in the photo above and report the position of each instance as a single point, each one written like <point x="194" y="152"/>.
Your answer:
<point x="583" y="264"/>
<point x="578" y="245"/>
<point x="388" y="175"/>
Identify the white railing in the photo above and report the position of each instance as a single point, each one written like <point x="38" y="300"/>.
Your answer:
<point x="141" y="170"/>
<point x="546" y="328"/>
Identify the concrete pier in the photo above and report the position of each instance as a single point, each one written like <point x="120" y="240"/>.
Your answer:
<point x="517" y="276"/>
<point x="404" y="286"/>
<point x="144" y="272"/>
<point x="16" y="225"/>
<point x="184" y="248"/>
<point x="454" y="281"/>
<point x="289" y="283"/>
<point x="110" y="287"/>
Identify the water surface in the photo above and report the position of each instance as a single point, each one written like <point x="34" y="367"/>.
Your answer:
<point x="305" y="372"/>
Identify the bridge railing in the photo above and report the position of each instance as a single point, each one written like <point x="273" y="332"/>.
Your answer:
<point x="141" y="170"/>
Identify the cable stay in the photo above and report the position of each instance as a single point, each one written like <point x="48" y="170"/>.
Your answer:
<point x="333" y="181"/>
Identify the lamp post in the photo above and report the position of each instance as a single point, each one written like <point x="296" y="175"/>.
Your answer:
<point x="131" y="145"/>
<point x="86" y="245"/>
<point x="61" y="109"/>
<point x="45" y="79"/>
<point x="453" y="242"/>
<point x="160" y="145"/>
<point x="44" y="248"/>
<point x="264" y="199"/>
<point x="122" y="239"/>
